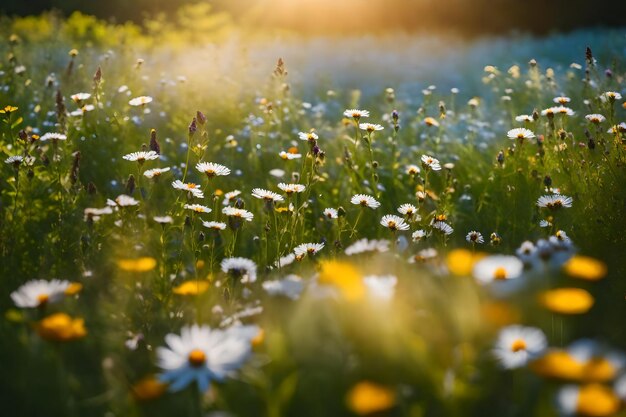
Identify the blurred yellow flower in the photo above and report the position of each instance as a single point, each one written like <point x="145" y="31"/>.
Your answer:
<point x="258" y="339"/>
<point x="345" y="277"/>
<point x="143" y="264"/>
<point x="148" y="388"/>
<point x="8" y="109"/>
<point x="431" y="121"/>
<point x="61" y="328"/>
<point x="367" y="397"/>
<point x="74" y="288"/>
<point x="596" y="400"/>
<point x="192" y="287"/>
<point x="567" y="300"/>
<point x="599" y="370"/>
<point x="499" y="313"/>
<point x="558" y="364"/>
<point x="585" y="267"/>
<point x="461" y="261"/>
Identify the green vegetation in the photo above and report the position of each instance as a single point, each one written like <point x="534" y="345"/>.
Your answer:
<point x="124" y="147"/>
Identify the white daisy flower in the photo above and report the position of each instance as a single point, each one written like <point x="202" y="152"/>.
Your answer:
<point x="84" y="109"/>
<point x="285" y="260"/>
<point x="527" y="252"/>
<point x="364" y="245"/>
<point x="239" y="213"/>
<point x="140" y="101"/>
<point x="517" y="345"/>
<point x="611" y="96"/>
<point x="124" y="200"/>
<point x="15" y="160"/>
<point x="554" y="201"/>
<point x="163" y="219"/>
<point x="240" y="268"/>
<point x="308" y="136"/>
<point x="202" y="354"/>
<point x="545" y="223"/>
<point x="520" y="133"/>
<point x="443" y="227"/>
<point x="214" y="225"/>
<point x="155" y="172"/>
<point x="381" y="287"/>
<point x="331" y="213"/>
<point x="409" y="210"/>
<point x="431" y="163"/>
<point x="277" y="172"/>
<point x="212" y="169"/>
<point x="78" y="97"/>
<point x="418" y="235"/>
<point x="191" y="188"/>
<point x="370" y="127"/>
<point x="393" y="222"/>
<point x="562" y="100"/>
<point x="94" y="214"/>
<point x="307" y="249"/>
<point x="424" y="255"/>
<point x="549" y="112"/>
<point x="474" y="237"/>
<point x="141" y="156"/>
<point x="561" y="236"/>
<point x="52" y="136"/>
<point x="527" y="118"/>
<point x="289" y="156"/>
<point x="266" y="195"/>
<point x="566" y="111"/>
<point x="619" y="128"/>
<point x="198" y="208"/>
<point x="497" y="267"/>
<point x="365" y="200"/>
<point x="37" y="293"/>
<point x="567" y="400"/>
<point x="595" y="118"/>
<point x="291" y="287"/>
<point x="412" y="169"/>
<point x="291" y="188"/>
<point x="356" y="114"/>
<point x="230" y="196"/>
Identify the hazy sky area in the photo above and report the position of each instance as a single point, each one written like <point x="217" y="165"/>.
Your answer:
<point x="468" y="17"/>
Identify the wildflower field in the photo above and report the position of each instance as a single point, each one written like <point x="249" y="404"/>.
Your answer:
<point x="310" y="227"/>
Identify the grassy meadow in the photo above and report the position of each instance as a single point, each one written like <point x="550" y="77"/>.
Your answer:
<point x="271" y="225"/>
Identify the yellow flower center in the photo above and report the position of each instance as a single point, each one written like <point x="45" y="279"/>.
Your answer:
<point x="191" y="185"/>
<point x="499" y="273"/>
<point x="520" y="136"/>
<point x="43" y="298"/>
<point x="197" y="358"/>
<point x="518" y="345"/>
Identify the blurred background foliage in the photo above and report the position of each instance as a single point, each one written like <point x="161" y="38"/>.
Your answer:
<point x="466" y="17"/>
